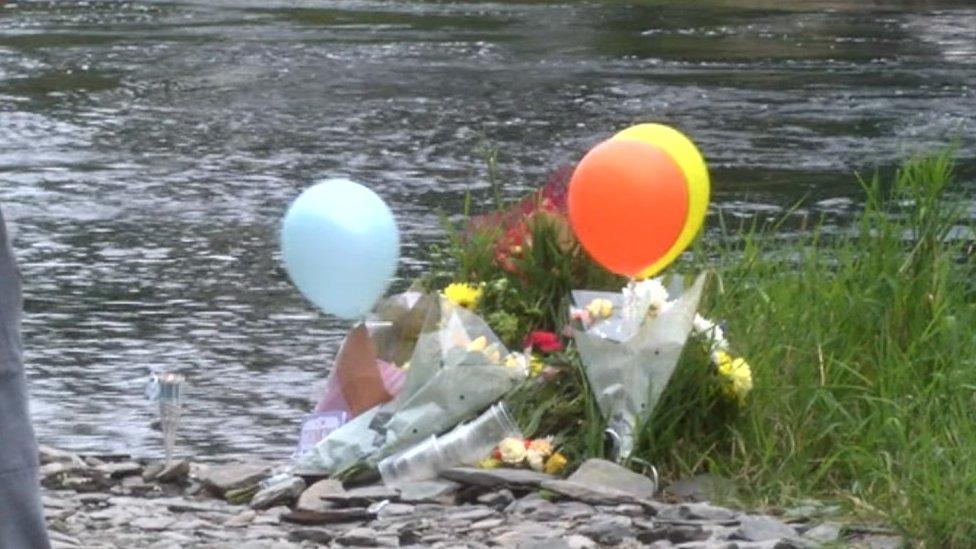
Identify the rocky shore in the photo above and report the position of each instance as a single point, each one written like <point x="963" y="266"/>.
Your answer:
<point x="97" y="502"/>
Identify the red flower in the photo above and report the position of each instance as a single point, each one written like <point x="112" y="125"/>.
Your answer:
<point x="546" y="342"/>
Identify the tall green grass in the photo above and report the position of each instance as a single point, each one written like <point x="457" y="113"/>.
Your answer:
<point x="863" y="349"/>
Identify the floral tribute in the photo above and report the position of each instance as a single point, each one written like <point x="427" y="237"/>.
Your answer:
<point x="517" y="267"/>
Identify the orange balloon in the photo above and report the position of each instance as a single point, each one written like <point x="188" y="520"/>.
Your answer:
<point x="628" y="202"/>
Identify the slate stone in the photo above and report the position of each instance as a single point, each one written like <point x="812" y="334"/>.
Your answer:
<point x="361" y="497"/>
<point x="152" y="524"/>
<point x="223" y="478"/>
<point x="367" y="537"/>
<point x="497" y="478"/>
<point x="675" y="534"/>
<point x="594" y="494"/>
<point x="698" y="512"/>
<point x="175" y="471"/>
<point x="328" y="516"/>
<point x="699" y="488"/>
<point x="319" y="536"/>
<point x="279" y="493"/>
<point x="608" y="530"/>
<point x="499" y="499"/>
<point x="761" y="528"/>
<point x="606" y="474"/>
<point x="120" y="469"/>
<point x="438" y="491"/>
<point x="577" y="541"/>
<point x="312" y="499"/>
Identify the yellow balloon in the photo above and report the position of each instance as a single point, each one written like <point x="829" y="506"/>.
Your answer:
<point x="686" y="155"/>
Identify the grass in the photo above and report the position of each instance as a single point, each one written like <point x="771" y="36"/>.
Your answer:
<point x="864" y="357"/>
<point x="862" y="347"/>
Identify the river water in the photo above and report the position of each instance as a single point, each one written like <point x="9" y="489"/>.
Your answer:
<point x="148" y="151"/>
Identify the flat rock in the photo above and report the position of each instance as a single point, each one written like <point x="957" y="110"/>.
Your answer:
<point x="223" y="478"/>
<point x="674" y="534"/>
<point x="367" y="537"/>
<point x="362" y="496"/>
<point x="436" y="491"/>
<point x="609" y="530"/>
<point x="498" y="499"/>
<point x="312" y="499"/>
<point x="577" y="541"/>
<point x="593" y="494"/>
<point x="601" y="473"/>
<point x="320" y="536"/>
<point x="175" y="471"/>
<point x="49" y="454"/>
<point x="699" y="512"/>
<point x="497" y="478"/>
<point x="761" y="528"/>
<point x="280" y="493"/>
<point x="470" y="514"/>
<point x="120" y="469"/>
<point x="153" y="524"/>
<point x="328" y="516"/>
<point x="242" y="519"/>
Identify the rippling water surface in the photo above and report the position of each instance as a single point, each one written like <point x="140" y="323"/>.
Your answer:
<point x="148" y="150"/>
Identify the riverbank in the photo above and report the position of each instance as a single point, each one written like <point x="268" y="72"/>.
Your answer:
<point x="113" y="501"/>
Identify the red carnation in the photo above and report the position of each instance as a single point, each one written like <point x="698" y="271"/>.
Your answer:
<point x="545" y="342"/>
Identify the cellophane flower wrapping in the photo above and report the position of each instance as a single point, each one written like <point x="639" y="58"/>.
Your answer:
<point x="457" y="368"/>
<point x="629" y="356"/>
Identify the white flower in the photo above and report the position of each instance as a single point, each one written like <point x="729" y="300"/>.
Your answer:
<point x="512" y="450"/>
<point x="712" y="332"/>
<point x="536" y="460"/>
<point x="648" y="297"/>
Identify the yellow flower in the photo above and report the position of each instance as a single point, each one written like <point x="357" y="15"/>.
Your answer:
<point x="737" y="374"/>
<point x="478" y="344"/>
<point x="512" y="450"/>
<point x="555" y="464"/>
<point x="535" y="365"/>
<point x="541" y="445"/>
<point x="514" y="360"/>
<point x="463" y="295"/>
<point x="535" y="460"/>
<point x="599" y="308"/>
<point x="488" y="463"/>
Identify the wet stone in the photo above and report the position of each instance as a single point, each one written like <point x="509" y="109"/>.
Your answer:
<point x="223" y="478"/>
<point x="312" y="498"/>
<point x="760" y="528"/>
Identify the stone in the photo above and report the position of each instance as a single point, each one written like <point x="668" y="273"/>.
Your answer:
<point x="550" y="543"/>
<point x="497" y="478"/>
<point x="607" y="474"/>
<point x="761" y="528"/>
<point x="699" y="511"/>
<point x="499" y="499"/>
<point x="60" y="467"/>
<point x="152" y="524"/>
<point x="675" y="534"/>
<point x="312" y="498"/>
<point x="438" y="491"/>
<point x="608" y="530"/>
<point x="79" y="480"/>
<point x="536" y="507"/>
<point x="526" y="532"/>
<point x="173" y="472"/>
<point x="486" y="524"/>
<point x="222" y="478"/>
<point x="319" y="536"/>
<point x="282" y="492"/>
<point x="120" y="469"/>
<point x="828" y="532"/>
<point x="49" y="454"/>
<point x="367" y="537"/>
<point x="577" y="541"/>
<point x="395" y="510"/>
<point x="597" y="495"/>
<point x="241" y="519"/>
<point x="470" y="514"/>
<point x="328" y="516"/>
<point x="361" y="497"/>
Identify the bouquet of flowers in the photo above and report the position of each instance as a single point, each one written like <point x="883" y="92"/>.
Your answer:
<point x="629" y="344"/>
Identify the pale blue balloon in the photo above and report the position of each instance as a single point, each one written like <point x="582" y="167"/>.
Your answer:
<point x="340" y="246"/>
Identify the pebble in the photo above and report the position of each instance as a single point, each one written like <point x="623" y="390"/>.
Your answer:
<point x="504" y="509"/>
